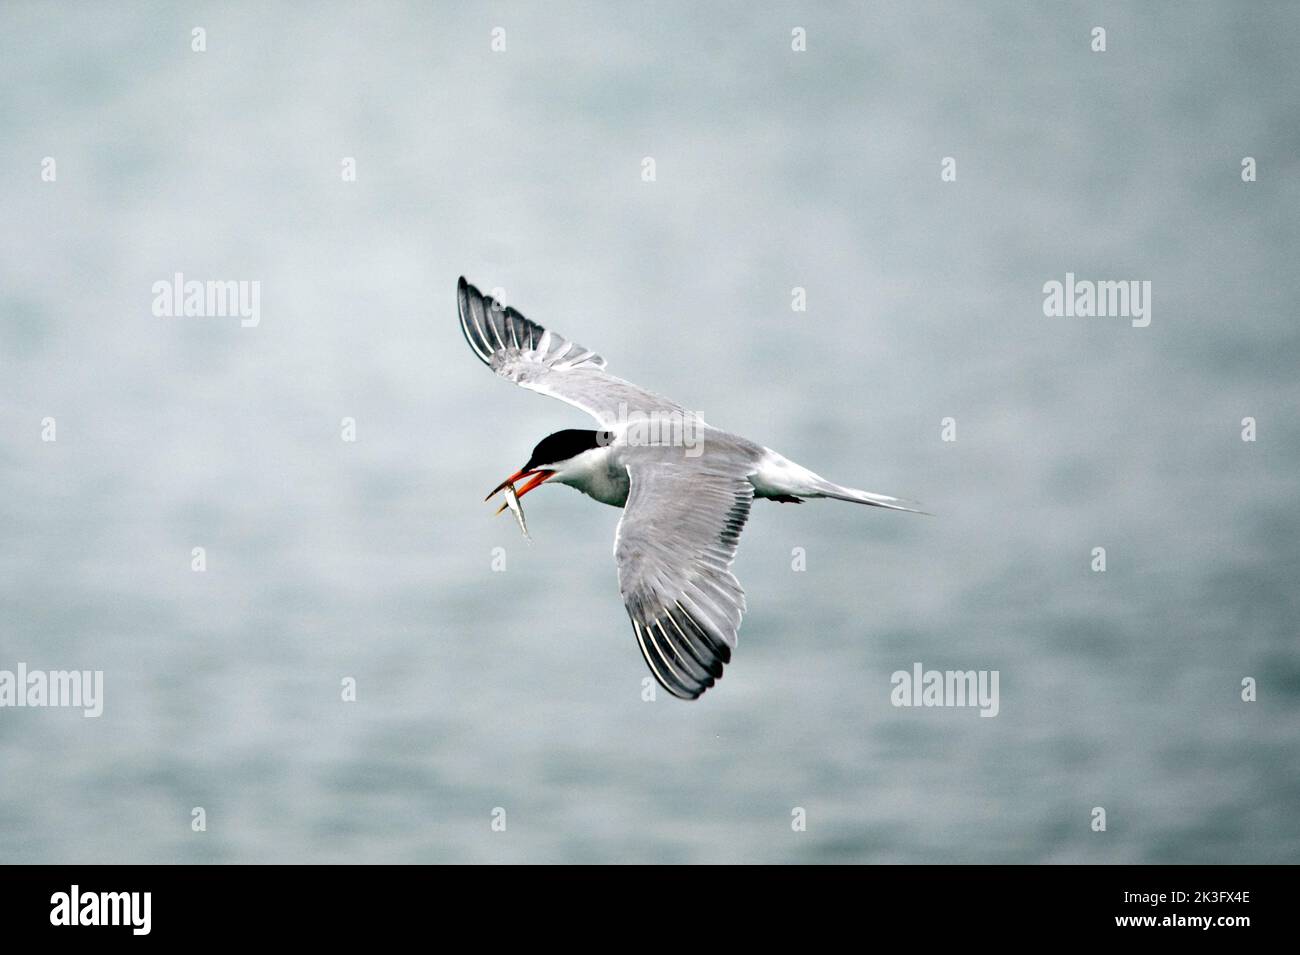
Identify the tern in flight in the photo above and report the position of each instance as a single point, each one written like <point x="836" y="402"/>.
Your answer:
<point x="685" y="488"/>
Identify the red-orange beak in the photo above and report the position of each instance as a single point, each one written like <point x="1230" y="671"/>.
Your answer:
<point x="536" y="479"/>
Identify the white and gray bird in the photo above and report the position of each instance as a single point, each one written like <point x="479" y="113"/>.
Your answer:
<point x="685" y="487"/>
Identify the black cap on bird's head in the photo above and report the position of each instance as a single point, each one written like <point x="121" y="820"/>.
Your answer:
<point x="563" y="445"/>
<point x="551" y="450"/>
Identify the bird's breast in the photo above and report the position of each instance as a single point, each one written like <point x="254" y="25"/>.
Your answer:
<point x="609" y="486"/>
<point x="600" y="474"/>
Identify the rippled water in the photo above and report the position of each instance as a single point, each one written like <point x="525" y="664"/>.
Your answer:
<point x="522" y="689"/>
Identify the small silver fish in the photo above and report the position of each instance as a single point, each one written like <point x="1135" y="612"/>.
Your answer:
<point x="512" y="502"/>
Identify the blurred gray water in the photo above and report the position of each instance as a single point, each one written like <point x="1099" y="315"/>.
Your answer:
<point x="775" y="169"/>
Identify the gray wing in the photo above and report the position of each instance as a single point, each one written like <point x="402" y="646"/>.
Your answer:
<point x="674" y="549"/>
<point x="522" y="351"/>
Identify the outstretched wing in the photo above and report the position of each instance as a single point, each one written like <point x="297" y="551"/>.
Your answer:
<point x="522" y="351"/>
<point x="674" y="549"/>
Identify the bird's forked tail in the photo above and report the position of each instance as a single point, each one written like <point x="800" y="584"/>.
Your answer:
<point x="852" y="494"/>
<point x="778" y="478"/>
